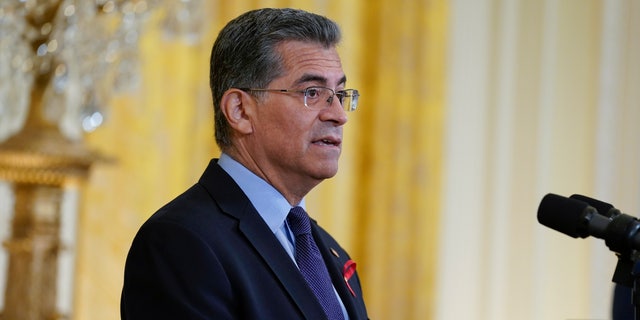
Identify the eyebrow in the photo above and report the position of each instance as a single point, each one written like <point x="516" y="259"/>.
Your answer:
<point x="316" y="78"/>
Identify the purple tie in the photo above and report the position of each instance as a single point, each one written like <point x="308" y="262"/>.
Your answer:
<point x="312" y="265"/>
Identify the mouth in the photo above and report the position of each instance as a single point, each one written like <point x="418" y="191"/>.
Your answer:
<point x="328" y="141"/>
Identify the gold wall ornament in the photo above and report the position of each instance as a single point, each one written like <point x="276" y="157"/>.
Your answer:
<point x="38" y="161"/>
<point x="33" y="253"/>
<point x="45" y="157"/>
<point x="60" y="61"/>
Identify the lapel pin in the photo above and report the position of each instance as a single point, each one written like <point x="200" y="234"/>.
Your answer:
<point x="334" y="252"/>
<point x="347" y="272"/>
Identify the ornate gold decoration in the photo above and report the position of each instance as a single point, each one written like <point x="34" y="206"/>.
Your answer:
<point x="38" y="161"/>
<point x="59" y="61"/>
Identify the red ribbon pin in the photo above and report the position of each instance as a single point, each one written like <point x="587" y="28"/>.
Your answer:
<point x="347" y="272"/>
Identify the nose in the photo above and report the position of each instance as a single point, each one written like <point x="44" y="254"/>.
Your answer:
<point x="334" y="112"/>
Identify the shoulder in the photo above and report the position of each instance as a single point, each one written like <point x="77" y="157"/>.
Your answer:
<point x="214" y="197"/>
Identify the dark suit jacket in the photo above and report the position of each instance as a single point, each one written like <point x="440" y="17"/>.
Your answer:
<point x="209" y="255"/>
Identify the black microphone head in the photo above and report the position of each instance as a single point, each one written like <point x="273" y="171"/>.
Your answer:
<point x="569" y="216"/>
<point x="602" y="207"/>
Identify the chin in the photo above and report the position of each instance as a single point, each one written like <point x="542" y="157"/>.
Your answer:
<point x="328" y="172"/>
<point x="323" y="168"/>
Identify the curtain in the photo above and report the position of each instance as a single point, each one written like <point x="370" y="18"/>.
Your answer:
<point x="383" y="206"/>
<point x="542" y="97"/>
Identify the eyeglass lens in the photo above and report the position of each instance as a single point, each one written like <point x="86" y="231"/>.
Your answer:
<point x="320" y="97"/>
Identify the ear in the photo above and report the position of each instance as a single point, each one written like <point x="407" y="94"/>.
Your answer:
<point x="237" y="106"/>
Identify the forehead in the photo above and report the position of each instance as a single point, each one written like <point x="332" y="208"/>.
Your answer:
<point x="310" y="62"/>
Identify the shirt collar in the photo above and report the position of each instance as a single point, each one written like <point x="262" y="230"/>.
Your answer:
<point x="269" y="202"/>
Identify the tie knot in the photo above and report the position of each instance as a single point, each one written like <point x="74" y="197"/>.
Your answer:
<point x="298" y="220"/>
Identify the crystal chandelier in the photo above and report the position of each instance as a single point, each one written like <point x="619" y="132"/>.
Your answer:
<point x="81" y="52"/>
<point x="60" y="61"/>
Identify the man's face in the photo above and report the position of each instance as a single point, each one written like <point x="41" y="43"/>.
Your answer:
<point x="292" y="144"/>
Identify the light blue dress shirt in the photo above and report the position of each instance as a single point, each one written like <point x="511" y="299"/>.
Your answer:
<point x="270" y="204"/>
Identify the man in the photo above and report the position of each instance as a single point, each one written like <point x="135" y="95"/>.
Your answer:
<point x="238" y="244"/>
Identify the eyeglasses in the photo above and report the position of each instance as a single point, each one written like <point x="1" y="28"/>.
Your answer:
<point x="321" y="97"/>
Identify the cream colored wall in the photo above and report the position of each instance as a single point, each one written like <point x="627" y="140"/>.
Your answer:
<point x="543" y="96"/>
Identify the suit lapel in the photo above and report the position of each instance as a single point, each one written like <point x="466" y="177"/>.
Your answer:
<point x="234" y="202"/>
<point x="335" y="263"/>
<point x="280" y="263"/>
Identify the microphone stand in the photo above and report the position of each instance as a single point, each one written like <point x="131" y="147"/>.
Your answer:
<point x="635" y="293"/>
<point x="622" y="230"/>
<point x="627" y="273"/>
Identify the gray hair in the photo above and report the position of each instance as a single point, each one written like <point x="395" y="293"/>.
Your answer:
<point x="244" y="55"/>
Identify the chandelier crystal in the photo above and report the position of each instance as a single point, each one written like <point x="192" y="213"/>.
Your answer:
<point x="81" y="52"/>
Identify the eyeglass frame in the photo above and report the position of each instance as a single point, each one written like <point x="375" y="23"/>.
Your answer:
<point x="353" y="93"/>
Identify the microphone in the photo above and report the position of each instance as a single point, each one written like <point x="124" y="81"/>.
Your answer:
<point x="602" y="207"/>
<point x="580" y="217"/>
